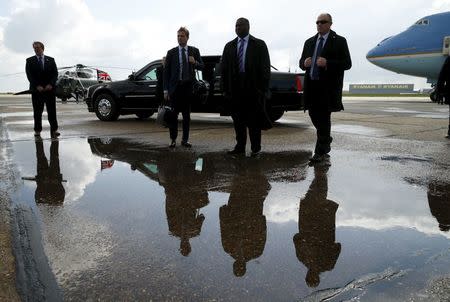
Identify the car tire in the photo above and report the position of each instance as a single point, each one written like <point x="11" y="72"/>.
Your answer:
<point x="106" y="107"/>
<point x="275" y="114"/>
<point x="433" y="96"/>
<point x="144" y="115"/>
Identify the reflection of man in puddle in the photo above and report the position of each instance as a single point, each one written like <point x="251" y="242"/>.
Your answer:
<point x="242" y="223"/>
<point x="185" y="194"/>
<point x="439" y="202"/>
<point x="315" y="244"/>
<point x="49" y="178"/>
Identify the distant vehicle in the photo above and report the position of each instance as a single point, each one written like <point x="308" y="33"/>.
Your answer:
<point x="418" y="51"/>
<point x="73" y="81"/>
<point x="142" y="93"/>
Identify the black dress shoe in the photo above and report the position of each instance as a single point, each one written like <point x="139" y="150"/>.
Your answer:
<point x="173" y="143"/>
<point x="55" y="134"/>
<point x="317" y="158"/>
<point x="256" y="154"/>
<point x="186" y="144"/>
<point x="37" y="133"/>
<point x="236" y="152"/>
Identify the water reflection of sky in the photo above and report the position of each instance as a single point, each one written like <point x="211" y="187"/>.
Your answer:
<point x="119" y="223"/>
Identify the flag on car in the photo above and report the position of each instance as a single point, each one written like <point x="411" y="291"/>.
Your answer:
<point x="103" y="75"/>
<point x="106" y="164"/>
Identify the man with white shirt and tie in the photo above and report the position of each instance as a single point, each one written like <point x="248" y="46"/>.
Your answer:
<point x="179" y="76"/>
<point x="245" y="74"/>
<point x="325" y="56"/>
<point x="42" y="74"/>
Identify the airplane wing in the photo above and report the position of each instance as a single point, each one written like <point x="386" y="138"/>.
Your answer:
<point x="23" y="92"/>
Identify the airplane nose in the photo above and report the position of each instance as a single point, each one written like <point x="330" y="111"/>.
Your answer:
<point x="372" y="53"/>
<point x="377" y="51"/>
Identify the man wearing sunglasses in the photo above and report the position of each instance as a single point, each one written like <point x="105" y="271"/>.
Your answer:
<point x="325" y="56"/>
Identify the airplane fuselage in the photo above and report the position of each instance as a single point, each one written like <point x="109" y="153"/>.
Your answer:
<point x="418" y="51"/>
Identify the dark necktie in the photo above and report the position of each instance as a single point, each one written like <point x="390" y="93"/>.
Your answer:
<point x="315" y="72"/>
<point x="41" y="62"/>
<point x="241" y="56"/>
<point x="184" y="65"/>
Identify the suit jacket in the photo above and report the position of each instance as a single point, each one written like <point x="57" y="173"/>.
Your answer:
<point x="38" y="77"/>
<point x="443" y="83"/>
<point x="331" y="78"/>
<point x="257" y="67"/>
<point x="172" y="67"/>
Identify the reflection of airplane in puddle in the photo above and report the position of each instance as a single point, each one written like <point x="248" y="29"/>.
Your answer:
<point x="418" y="51"/>
<point x="73" y="81"/>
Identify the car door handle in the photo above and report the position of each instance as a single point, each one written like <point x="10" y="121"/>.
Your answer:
<point x="152" y="86"/>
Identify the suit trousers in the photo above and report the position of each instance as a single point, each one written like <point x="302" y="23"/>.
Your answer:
<point x="321" y="119"/>
<point x="38" y="100"/>
<point x="181" y="102"/>
<point x="320" y="115"/>
<point x="244" y="116"/>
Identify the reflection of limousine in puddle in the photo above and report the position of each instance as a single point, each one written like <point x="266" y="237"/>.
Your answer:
<point x="214" y="170"/>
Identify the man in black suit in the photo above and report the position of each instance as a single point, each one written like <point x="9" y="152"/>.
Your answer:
<point x="179" y="78"/>
<point x="42" y="74"/>
<point x="245" y="79"/>
<point x="325" y="56"/>
<point x="49" y="179"/>
<point x="314" y="243"/>
<point x="243" y="226"/>
<point x="443" y="88"/>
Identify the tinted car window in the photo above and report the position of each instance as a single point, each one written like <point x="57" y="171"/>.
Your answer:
<point x="150" y="75"/>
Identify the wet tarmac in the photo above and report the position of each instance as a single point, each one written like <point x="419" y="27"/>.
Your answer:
<point x="122" y="217"/>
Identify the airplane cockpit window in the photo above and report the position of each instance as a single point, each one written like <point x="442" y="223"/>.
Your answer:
<point x="422" y="22"/>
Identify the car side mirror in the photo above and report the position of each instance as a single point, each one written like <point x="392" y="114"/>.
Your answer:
<point x="131" y="77"/>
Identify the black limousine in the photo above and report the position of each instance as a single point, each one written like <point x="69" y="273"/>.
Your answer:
<point x="142" y="93"/>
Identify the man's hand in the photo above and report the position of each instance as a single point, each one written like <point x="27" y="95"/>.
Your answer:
<point x="307" y="62"/>
<point x="321" y="62"/>
<point x="48" y="87"/>
<point x="40" y="88"/>
<point x="192" y="60"/>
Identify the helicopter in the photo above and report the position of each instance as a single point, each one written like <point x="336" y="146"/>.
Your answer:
<point x="73" y="81"/>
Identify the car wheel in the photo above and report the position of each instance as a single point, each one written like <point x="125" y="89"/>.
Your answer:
<point x="275" y="114"/>
<point x="106" y="108"/>
<point x="433" y="96"/>
<point x="144" y="115"/>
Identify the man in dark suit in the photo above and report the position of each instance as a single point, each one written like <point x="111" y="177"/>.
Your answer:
<point x="314" y="243"/>
<point x="179" y="78"/>
<point x="325" y="56"/>
<point x="42" y="74"/>
<point x="443" y="88"/>
<point x="243" y="226"/>
<point x="49" y="187"/>
<point x="245" y="79"/>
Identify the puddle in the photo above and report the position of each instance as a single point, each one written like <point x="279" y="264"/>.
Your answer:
<point x="356" y="129"/>
<point x="123" y="219"/>
<point x="440" y="114"/>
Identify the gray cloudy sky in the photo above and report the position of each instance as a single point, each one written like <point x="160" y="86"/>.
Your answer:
<point x="131" y="33"/>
